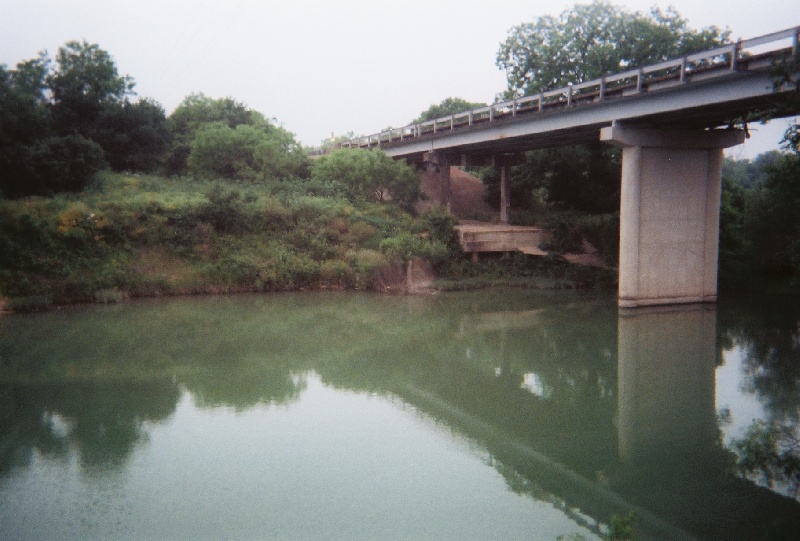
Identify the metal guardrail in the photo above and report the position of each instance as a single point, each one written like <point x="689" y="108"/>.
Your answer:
<point x="631" y="82"/>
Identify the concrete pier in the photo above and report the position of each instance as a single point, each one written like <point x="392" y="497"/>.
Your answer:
<point x="669" y="213"/>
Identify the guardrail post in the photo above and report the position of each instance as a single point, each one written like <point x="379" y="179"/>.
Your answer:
<point x="569" y="94"/>
<point x="795" y="45"/>
<point x="491" y="113"/>
<point x="471" y="118"/>
<point x="640" y="80"/>
<point x="683" y="69"/>
<point x="734" y="55"/>
<point x="541" y="100"/>
<point x="514" y="107"/>
<point x="452" y="121"/>
<point x="602" y="88"/>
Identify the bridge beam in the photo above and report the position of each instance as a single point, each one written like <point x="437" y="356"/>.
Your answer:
<point x="669" y="213"/>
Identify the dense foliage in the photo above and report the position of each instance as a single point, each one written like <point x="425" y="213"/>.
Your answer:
<point x="759" y="221"/>
<point x="448" y="106"/>
<point x="224" y="138"/>
<point x="369" y="175"/>
<point x="62" y="122"/>
<point x="143" y="235"/>
<point x="588" y="41"/>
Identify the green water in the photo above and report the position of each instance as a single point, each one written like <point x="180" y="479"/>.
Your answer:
<point x="488" y="415"/>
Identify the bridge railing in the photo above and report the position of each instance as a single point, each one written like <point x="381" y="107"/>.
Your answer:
<point x="626" y="83"/>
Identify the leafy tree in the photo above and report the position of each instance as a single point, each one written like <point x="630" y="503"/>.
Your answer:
<point x="447" y="107"/>
<point x="759" y="229"/>
<point x="592" y="40"/>
<point x="369" y="174"/>
<point x="60" y="164"/>
<point x="194" y="112"/>
<point x="134" y="135"/>
<point x="84" y="82"/>
<point x="246" y="152"/>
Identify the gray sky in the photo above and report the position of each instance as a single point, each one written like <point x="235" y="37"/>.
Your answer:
<point x="329" y="66"/>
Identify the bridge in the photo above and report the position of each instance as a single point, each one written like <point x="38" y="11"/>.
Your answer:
<point x="672" y="121"/>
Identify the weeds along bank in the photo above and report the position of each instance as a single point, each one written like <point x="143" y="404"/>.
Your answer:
<point x="129" y="236"/>
<point x="134" y="236"/>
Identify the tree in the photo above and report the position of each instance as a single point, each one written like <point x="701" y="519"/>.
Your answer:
<point x="134" y="135"/>
<point x="369" y="174"/>
<point x="592" y="40"/>
<point x="247" y="152"/>
<point x="84" y="82"/>
<point x="196" y="111"/>
<point x="447" y="107"/>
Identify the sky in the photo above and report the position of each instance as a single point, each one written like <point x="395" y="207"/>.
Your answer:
<point x="331" y="67"/>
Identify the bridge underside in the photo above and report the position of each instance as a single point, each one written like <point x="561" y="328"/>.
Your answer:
<point x="672" y="146"/>
<point x="669" y="208"/>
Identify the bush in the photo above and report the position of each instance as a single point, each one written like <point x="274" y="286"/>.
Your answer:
<point x="368" y="175"/>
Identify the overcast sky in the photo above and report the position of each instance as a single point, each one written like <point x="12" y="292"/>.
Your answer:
<point x="329" y="66"/>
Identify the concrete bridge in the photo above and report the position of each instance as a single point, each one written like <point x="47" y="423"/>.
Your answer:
<point x="671" y="119"/>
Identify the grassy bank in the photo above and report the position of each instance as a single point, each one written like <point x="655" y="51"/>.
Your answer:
<point x="131" y="236"/>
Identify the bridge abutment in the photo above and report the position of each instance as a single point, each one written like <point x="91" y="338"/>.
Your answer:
<point x="669" y="213"/>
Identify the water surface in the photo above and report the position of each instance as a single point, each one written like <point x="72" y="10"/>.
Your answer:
<point x="488" y="415"/>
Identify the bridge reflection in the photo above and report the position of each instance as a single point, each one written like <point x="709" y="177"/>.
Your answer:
<point x="667" y="462"/>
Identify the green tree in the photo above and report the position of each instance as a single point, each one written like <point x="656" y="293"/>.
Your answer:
<point x="246" y="152"/>
<point x="589" y="41"/>
<point x="448" y="106"/>
<point x="23" y="121"/>
<point x="84" y="82"/>
<point x="134" y="135"/>
<point x="369" y="174"/>
<point x="194" y="112"/>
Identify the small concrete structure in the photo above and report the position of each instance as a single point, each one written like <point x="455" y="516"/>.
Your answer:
<point x="482" y="237"/>
<point x="669" y="213"/>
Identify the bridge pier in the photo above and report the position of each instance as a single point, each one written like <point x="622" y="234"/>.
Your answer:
<point x="440" y="162"/>
<point x="669" y="213"/>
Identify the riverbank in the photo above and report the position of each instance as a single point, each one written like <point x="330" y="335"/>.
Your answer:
<point x="131" y="236"/>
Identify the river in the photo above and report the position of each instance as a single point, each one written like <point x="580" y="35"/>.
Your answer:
<point x="475" y="415"/>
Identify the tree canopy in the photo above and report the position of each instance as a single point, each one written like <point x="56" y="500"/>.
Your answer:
<point x="369" y="175"/>
<point x="448" y="106"/>
<point x="589" y="41"/>
<point x="62" y="121"/>
<point x="223" y="137"/>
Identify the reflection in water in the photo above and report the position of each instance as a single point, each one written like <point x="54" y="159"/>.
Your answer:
<point x="588" y="411"/>
<point x="667" y="357"/>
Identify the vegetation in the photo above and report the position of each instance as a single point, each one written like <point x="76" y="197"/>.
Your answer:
<point x="759" y="230"/>
<point x="448" y="106"/>
<point x="61" y="123"/>
<point x="588" y="41"/>
<point x="369" y="175"/>
<point x="133" y="235"/>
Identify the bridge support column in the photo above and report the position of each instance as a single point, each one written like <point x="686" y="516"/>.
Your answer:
<point x="669" y="213"/>
<point x="441" y="164"/>
<point x="505" y="195"/>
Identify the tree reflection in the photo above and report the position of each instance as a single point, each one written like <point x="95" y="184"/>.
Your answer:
<point x="101" y="421"/>
<point x="771" y="450"/>
<point x="768" y="337"/>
